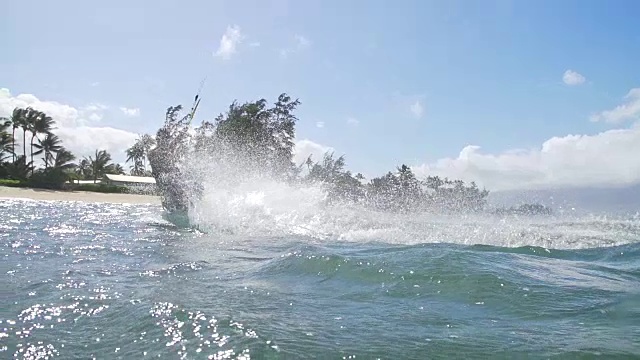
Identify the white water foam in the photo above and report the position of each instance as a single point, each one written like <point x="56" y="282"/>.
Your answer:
<point x="253" y="205"/>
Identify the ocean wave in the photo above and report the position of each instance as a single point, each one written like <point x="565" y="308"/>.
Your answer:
<point x="117" y="283"/>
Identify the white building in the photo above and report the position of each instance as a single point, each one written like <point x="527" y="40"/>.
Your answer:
<point x="128" y="180"/>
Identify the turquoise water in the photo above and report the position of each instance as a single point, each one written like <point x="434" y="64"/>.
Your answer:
<point x="81" y="281"/>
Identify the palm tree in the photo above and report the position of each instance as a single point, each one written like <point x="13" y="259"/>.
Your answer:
<point x="39" y="123"/>
<point x="63" y="159"/>
<point x="147" y="142"/>
<point x="139" y="152"/>
<point x="26" y="125"/>
<point x="49" y="145"/>
<point x="83" y="170"/>
<point x="100" y="164"/>
<point x="25" y="121"/>
<point x="135" y="154"/>
<point x="17" y="120"/>
<point x="5" y="139"/>
<point x="115" y="169"/>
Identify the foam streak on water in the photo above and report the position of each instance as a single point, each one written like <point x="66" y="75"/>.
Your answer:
<point x="285" y="277"/>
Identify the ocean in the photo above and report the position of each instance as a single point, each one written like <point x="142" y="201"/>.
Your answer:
<point x="117" y="281"/>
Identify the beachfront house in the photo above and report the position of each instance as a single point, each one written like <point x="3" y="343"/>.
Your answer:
<point x="135" y="184"/>
<point x="128" y="180"/>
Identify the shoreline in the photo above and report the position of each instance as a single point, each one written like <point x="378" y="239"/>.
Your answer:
<point x="83" y="196"/>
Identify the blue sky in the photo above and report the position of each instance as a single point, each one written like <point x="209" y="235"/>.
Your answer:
<point x="411" y="82"/>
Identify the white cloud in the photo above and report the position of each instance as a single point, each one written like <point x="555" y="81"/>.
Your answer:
<point x="95" y="107"/>
<point x="94" y="84"/>
<point x="301" y="43"/>
<point x="94" y="117"/>
<point x="320" y="124"/>
<point x="229" y="42"/>
<point x="304" y="148"/>
<point x="71" y="125"/>
<point x="85" y="140"/>
<point x="604" y="159"/>
<point x="93" y="112"/>
<point x="132" y="112"/>
<point x="284" y="53"/>
<point x="417" y="109"/>
<point x="64" y="115"/>
<point x="572" y="78"/>
<point x="255" y="44"/>
<point x="629" y="110"/>
<point x="352" y="121"/>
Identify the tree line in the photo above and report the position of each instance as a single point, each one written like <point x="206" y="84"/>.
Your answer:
<point x="28" y="135"/>
<point x="253" y="135"/>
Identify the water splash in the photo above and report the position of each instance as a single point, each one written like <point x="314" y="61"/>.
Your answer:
<point x="255" y="205"/>
<point x="233" y="184"/>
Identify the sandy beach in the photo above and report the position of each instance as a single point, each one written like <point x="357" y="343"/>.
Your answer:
<point x="42" y="194"/>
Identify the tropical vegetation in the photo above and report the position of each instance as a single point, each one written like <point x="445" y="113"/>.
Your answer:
<point x="31" y="154"/>
<point x="138" y="154"/>
<point x="253" y="137"/>
<point x="250" y="139"/>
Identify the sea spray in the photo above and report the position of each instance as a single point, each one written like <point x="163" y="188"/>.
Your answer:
<point x="242" y="201"/>
<point x="251" y="139"/>
<point x="256" y="205"/>
<point x="236" y="176"/>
